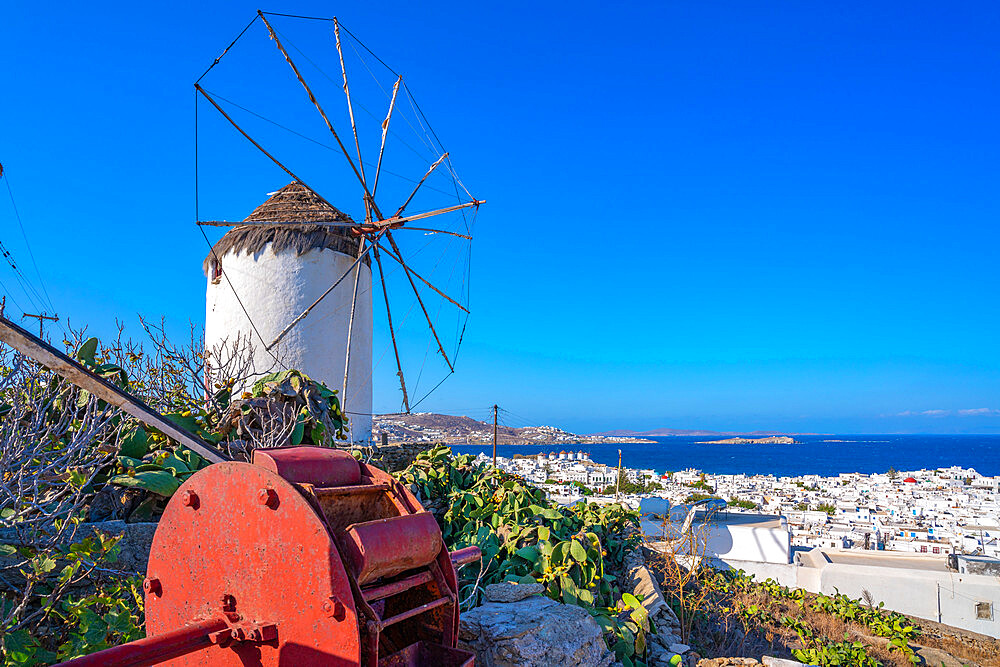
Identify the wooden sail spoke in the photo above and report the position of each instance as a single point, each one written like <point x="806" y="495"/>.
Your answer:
<point x="312" y="98"/>
<point x="385" y="131"/>
<point x="350" y="323"/>
<point x="260" y="148"/>
<point x="396" y="221"/>
<point x="416" y="292"/>
<point x="354" y="127"/>
<point x="392" y="331"/>
<point x="362" y="228"/>
<point x="430" y="171"/>
<point x="402" y="263"/>
<point x="435" y="231"/>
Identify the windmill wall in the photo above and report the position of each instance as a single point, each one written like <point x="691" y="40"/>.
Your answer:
<point x="275" y="288"/>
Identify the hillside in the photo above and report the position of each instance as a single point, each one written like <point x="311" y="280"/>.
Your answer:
<point x="432" y="427"/>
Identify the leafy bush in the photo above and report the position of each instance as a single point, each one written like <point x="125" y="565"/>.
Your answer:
<point x="66" y="618"/>
<point x="576" y="552"/>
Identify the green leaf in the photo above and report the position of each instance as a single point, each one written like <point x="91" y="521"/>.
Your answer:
<point x="43" y="564"/>
<point x="187" y="423"/>
<point x="631" y="601"/>
<point x="577" y="551"/>
<point x="193" y="461"/>
<point x="87" y="351"/>
<point x="159" y="482"/>
<point x="299" y="431"/>
<point x="529" y="553"/>
<point x="172" y="462"/>
<point x="135" y="443"/>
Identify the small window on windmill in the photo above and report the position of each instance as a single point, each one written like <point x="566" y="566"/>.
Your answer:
<point x="984" y="610"/>
<point x="216" y="271"/>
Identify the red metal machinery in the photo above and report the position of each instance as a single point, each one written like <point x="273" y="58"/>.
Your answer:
<point x="304" y="557"/>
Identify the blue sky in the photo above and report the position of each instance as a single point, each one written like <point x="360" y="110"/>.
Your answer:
<point x="700" y="215"/>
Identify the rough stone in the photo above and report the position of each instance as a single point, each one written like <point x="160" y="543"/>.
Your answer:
<point x="771" y="661"/>
<point x="533" y="632"/>
<point x="680" y="648"/>
<point x="658" y="656"/>
<point x="508" y="591"/>
<point x="728" y="662"/>
<point x="643" y="585"/>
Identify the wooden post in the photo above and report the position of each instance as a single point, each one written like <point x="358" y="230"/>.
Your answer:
<point x="495" y="408"/>
<point x="41" y="320"/>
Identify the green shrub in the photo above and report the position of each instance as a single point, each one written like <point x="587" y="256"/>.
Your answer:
<point x="576" y="552"/>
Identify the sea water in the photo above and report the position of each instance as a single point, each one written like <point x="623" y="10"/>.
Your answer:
<point x="825" y="455"/>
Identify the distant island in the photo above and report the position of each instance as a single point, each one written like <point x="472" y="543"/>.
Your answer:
<point x="772" y="440"/>
<point x="671" y="432"/>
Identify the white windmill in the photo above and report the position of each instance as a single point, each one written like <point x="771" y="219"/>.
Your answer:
<point x="296" y="275"/>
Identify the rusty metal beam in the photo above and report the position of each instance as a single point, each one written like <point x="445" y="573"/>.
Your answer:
<point x="153" y="650"/>
<point x="37" y="349"/>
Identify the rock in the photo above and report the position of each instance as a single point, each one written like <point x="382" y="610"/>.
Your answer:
<point x="643" y="585"/>
<point x="728" y="662"/>
<point x="508" y="591"/>
<point x="658" y="656"/>
<point x="680" y="648"/>
<point x="533" y="632"/>
<point x="782" y="662"/>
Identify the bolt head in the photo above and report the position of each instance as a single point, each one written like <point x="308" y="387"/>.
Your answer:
<point x="152" y="586"/>
<point x="190" y="499"/>
<point x="334" y="608"/>
<point x="268" y="498"/>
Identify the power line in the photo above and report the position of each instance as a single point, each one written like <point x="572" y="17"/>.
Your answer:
<point x="31" y="254"/>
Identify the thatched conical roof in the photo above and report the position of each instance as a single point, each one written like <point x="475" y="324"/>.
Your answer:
<point x="293" y="203"/>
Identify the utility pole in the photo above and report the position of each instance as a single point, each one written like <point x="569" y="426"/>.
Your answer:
<point x="495" y="409"/>
<point x="41" y="320"/>
<point x="618" y="484"/>
<point x="3" y="300"/>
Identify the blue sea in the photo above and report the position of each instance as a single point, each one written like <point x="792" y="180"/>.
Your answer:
<point x="816" y="454"/>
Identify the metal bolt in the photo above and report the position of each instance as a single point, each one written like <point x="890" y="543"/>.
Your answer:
<point x="334" y="608"/>
<point x="268" y="497"/>
<point x="190" y="499"/>
<point x="152" y="586"/>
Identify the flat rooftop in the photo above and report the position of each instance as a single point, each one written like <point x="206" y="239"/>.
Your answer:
<point x="887" y="559"/>
<point x="652" y="526"/>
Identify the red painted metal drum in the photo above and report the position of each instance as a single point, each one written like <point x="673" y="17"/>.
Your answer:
<point x="268" y="559"/>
